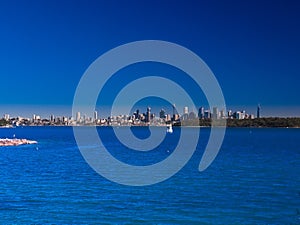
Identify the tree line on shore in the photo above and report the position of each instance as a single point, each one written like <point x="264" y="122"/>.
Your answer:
<point x="258" y="122"/>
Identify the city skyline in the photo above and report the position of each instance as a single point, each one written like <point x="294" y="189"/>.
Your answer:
<point x="135" y="118"/>
<point x="157" y="112"/>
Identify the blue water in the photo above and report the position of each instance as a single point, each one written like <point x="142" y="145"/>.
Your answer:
<point x="255" y="179"/>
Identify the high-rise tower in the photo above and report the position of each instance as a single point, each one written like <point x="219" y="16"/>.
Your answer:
<point x="258" y="111"/>
<point x="78" y="117"/>
<point x="95" y="116"/>
<point x="148" y="114"/>
<point x="201" y="112"/>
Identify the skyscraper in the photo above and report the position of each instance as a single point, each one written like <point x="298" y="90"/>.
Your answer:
<point x="215" y="113"/>
<point x="201" y="112"/>
<point x="229" y="114"/>
<point x="168" y="117"/>
<point x="258" y="111"/>
<point x="78" y="116"/>
<point x="185" y="110"/>
<point x="95" y="115"/>
<point x="162" y="114"/>
<point x="148" y="115"/>
<point x="137" y="114"/>
<point x="207" y="114"/>
<point x="185" y="115"/>
<point x="222" y="114"/>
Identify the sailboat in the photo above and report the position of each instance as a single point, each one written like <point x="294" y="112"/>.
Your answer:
<point x="169" y="129"/>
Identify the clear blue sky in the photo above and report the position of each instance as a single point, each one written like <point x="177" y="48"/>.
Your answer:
<point x="253" y="47"/>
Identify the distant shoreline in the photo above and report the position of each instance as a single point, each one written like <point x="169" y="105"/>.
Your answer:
<point x="267" y="122"/>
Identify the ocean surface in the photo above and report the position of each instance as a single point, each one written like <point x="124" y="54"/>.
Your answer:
<point x="255" y="179"/>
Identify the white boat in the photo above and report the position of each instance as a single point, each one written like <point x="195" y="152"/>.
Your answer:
<point x="169" y="129"/>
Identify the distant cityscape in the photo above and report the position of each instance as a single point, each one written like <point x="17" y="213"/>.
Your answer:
<point x="136" y="119"/>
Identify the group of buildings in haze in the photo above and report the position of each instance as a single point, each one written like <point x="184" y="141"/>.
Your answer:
<point x="137" y="118"/>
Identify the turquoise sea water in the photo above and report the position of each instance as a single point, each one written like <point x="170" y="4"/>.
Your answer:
<point x="255" y="179"/>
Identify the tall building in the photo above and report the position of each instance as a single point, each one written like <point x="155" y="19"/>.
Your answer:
<point x="148" y="115"/>
<point x="222" y="114"/>
<point x="258" y="111"/>
<point x="185" y="115"/>
<point x="230" y="114"/>
<point x="185" y="110"/>
<point x="243" y="114"/>
<point x="137" y="114"/>
<point x="152" y="116"/>
<point x="176" y="117"/>
<point x="162" y="114"/>
<point x="168" y="117"/>
<point x="207" y="114"/>
<point x="95" y="115"/>
<point x="215" y="114"/>
<point x="78" y="116"/>
<point x="239" y="115"/>
<point x="201" y="112"/>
